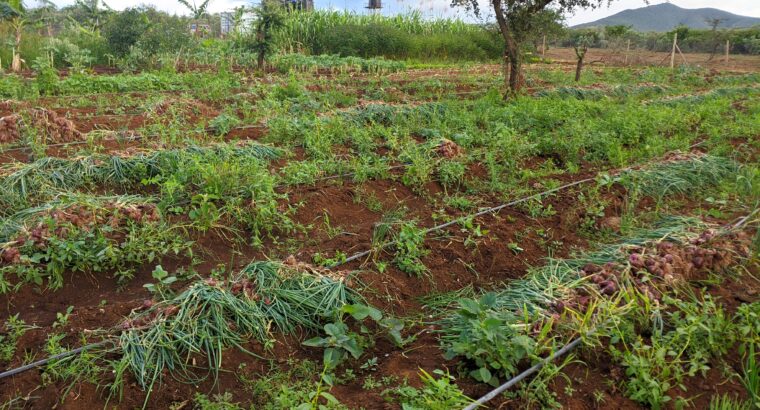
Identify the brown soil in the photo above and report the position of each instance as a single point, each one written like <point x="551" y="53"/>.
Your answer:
<point x="609" y="57"/>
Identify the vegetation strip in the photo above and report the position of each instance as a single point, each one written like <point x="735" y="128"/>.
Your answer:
<point x="136" y="137"/>
<point x="572" y="344"/>
<point x="497" y="209"/>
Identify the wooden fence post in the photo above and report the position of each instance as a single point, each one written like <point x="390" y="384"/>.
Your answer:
<point x="728" y="47"/>
<point x="673" y="52"/>
<point x="543" y="47"/>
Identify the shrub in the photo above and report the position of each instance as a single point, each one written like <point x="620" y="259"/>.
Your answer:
<point x="124" y="30"/>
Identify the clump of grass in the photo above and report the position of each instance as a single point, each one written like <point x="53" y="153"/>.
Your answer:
<point x="52" y="174"/>
<point x="679" y="176"/>
<point x="213" y="315"/>
<point x="726" y="402"/>
<point x="712" y="94"/>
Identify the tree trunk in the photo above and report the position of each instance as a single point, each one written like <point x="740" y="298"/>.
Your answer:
<point x="580" y="53"/>
<point x="579" y="68"/>
<point x="515" y="74"/>
<point x="260" y="60"/>
<point x="262" y="47"/>
<point x="512" y="49"/>
<point x="505" y="70"/>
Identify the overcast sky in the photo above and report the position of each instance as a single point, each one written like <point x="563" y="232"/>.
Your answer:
<point x="441" y="7"/>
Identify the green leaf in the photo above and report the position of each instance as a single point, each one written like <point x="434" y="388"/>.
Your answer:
<point x="488" y="300"/>
<point x="328" y="379"/>
<point x="483" y="374"/>
<point x="313" y="342"/>
<point x="470" y="306"/>
<point x="159" y="273"/>
<point x="361" y="312"/>
<point x="330" y="398"/>
<point x="352" y="347"/>
<point x="335" y="329"/>
<point x="332" y="357"/>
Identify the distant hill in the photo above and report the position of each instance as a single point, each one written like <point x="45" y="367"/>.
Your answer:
<point x="666" y="16"/>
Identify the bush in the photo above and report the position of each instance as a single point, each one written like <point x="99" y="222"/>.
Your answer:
<point x="165" y="34"/>
<point x="124" y="29"/>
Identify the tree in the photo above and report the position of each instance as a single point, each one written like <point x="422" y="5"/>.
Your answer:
<point x="548" y="24"/>
<point x="198" y="12"/>
<point x="44" y="16"/>
<point x="124" y="30"/>
<point x="14" y="12"/>
<point x="581" y="48"/>
<point x="617" y="32"/>
<point x="269" y="16"/>
<point x="716" y="37"/>
<point x="517" y="19"/>
<point x="92" y="14"/>
<point x="237" y="19"/>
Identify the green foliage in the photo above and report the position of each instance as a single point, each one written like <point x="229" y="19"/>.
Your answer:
<point x="87" y="234"/>
<point x="217" y="402"/>
<point x="409" y="245"/>
<point x="13" y="330"/>
<point x="47" y="77"/>
<point x="212" y="315"/>
<point x="750" y="377"/>
<point x="451" y="173"/>
<point x="435" y="394"/>
<point x="163" y="281"/>
<point x="697" y="332"/>
<point x="123" y="30"/>
<point x="15" y="87"/>
<point x="726" y="402"/>
<point x="223" y="123"/>
<point x="402" y="36"/>
<point x="489" y="337"/>
<point x="340" y="341"/>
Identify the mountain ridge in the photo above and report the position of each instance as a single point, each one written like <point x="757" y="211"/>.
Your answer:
<point x="667" y="16"/>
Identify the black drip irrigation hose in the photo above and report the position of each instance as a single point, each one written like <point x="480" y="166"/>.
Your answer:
<point x="45" y="361"/>
<point x="359" y="255"/>
<point x="488" y="211"/>
<point x="520" y="377"/>
<point x="462" y="218"/>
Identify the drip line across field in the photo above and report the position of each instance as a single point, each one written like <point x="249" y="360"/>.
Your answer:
<point x="491" y="210"/>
